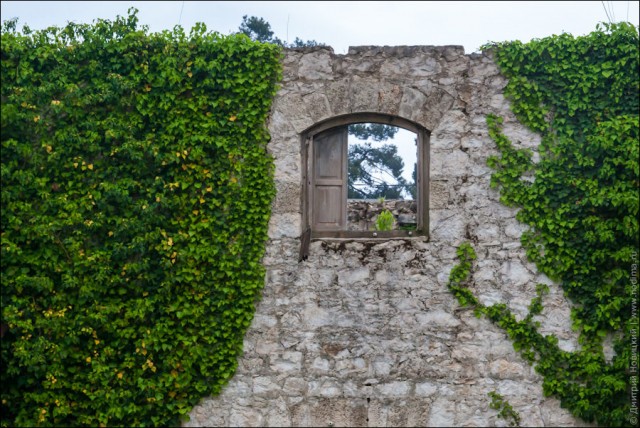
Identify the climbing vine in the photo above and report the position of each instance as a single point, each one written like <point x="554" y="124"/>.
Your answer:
<point x="506" y="411"/>
<point x="581" y="95"/>
<point x="136" y="192"/>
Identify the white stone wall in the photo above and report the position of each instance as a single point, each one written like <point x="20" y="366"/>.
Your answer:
<point x="365" y="333"/>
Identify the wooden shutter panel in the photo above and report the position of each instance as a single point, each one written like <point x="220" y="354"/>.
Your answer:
<point x="329" y="199"/>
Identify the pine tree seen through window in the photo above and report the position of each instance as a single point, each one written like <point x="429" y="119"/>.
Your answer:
<point x="382" y="168"/>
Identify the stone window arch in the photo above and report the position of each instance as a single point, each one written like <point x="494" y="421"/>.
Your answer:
<point x="324" y="198"/>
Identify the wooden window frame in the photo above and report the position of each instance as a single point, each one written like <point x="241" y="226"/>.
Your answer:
<point x="422" y="199"/>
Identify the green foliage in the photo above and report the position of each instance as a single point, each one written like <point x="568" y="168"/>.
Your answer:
<point x="506" y="411"/>
<point x="460" y="274"/>
<point x="376" y="131"/>
<point x="136" y="192"/>
<point x="299" y="43"/>
<point x="581" y="202"/>
<point x="259" y="29"/>
<point x="371" y="170"/>
<point x="385" y="220"/>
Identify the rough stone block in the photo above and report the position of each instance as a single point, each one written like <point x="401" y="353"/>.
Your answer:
<point x="412" y="101"/>
<point x="295" y="386"/>
<point x="284" y="225"/>
<point x="337" y="93"/>
<point x="504" y="369"/>
<point x="265" y="386"/>
<point x="350" y="277"/>
<point x="277" y="415"/>
<point x="316" y="66"/>
<point x="318" y="106"/>
<point x="442" y="412"/>
<point x="426" y="389"/>
<point x="389" y="97"/>
<point x="449" y="163"/>
<point x="364" y="94"/>
<point x="447" y="226"/>
<point x="338" y="412"/>
<point x="438" y="318"/>
<point x="245" y="417"/>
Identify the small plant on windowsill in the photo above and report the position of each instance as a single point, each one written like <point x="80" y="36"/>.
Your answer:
<point x="385" y="221"/>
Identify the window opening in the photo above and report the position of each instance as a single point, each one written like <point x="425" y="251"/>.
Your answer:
<point x="382" y="172"/>
<point x="345" y="178"/>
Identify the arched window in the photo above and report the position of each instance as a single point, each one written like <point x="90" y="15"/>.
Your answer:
<point x="326" y="180"/>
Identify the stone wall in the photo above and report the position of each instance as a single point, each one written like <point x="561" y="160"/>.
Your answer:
<point x="363" y="213"/>
<point x="365" y="333"/>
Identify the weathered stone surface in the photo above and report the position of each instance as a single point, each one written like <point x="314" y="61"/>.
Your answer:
<point x="440" y="194"/>
<point x="317" y="105"/>
<point x="449" y="163"/>
<point x="442" y="412"/>
<point x="284" y="226"/>
<point x="315" y="66"/>
<point x="365" y="333"/>
<point x="287" y="198"/>
<point x="363" y="94"/>
<point x="389" y="97"/>
<point x="338" y="95"/>
<point x="411" y="103"/>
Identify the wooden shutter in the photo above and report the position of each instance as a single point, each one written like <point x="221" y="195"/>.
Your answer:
<point x="329" y="165"/>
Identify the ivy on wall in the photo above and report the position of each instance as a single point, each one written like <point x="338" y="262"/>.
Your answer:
<point x="582" y="95"/>
<point x="505" y="410"/>
<point x="136" y="192"/>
